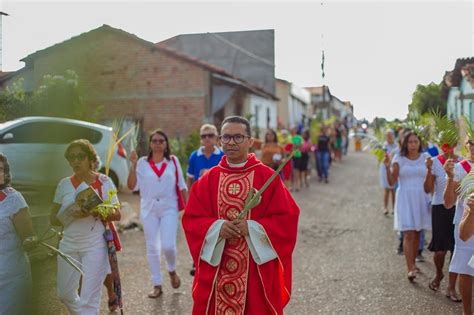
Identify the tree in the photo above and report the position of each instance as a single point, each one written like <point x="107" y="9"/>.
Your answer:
<point x="58" y="96"/>
<point x="14" y="102"/>
<point x="426" y="99"/>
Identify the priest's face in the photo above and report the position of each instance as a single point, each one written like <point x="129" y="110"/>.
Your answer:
<point x="235" y="142"/>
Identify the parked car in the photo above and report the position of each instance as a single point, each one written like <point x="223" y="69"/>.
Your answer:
<point x="35" y="149"/>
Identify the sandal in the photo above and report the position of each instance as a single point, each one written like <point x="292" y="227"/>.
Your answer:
<point x="113" y="304"/>
<point x="157" y="291"/>
<point x="175" y="280"/>
<point x="434" y="284"/>
<point x="411" y="275"/>
<point x="453" y="296"/>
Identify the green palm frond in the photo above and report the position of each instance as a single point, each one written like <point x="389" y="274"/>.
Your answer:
<point x="445" y="131"/>
<point x="469" y="128"/>
<point x="420" y="128"/>
<point x="466" y="186"/>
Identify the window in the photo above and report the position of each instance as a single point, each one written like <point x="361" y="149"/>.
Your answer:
<point x="50" y="132"/>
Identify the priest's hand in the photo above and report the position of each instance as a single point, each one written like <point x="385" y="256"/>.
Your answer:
<point x="243" y="227"/>
<point x="229" y="230"/>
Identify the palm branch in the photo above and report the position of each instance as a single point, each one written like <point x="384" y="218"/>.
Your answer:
<point x="469" y="127"/>
<point x="466" y="187"/>
<point x="445" y="132"/>
<point x="423" y="132"/>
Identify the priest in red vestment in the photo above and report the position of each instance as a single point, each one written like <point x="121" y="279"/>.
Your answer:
<point x="242" y="266"/>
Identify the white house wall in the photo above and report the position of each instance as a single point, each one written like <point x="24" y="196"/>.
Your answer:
<point x="296" y="111"/>
<point x="456" y="107"/>
<point x="259" y="108"/>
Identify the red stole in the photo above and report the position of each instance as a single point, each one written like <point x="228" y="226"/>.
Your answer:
<point x="238" y="285"/>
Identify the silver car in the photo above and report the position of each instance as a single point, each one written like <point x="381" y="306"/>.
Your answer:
<point x="35" y="149"/>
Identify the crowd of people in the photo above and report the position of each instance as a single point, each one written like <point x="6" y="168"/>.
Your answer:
<point x="422" y="182"/>
<point x="236" y="252"/>
<point x="234" y="232"/>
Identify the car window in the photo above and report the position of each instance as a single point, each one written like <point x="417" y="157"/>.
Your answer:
<point x="51" y="132"/>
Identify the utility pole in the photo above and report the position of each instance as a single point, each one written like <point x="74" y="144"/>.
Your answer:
<point x="1" y="39"/>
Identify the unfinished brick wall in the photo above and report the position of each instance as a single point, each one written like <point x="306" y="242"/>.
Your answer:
<point x="131" y="78"/>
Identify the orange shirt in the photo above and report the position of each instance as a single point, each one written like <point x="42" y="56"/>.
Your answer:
<point x="268" y="151"/>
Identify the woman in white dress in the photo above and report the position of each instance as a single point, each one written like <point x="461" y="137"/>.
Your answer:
<point x="390" y="147"/>
<point x="463" y="250"/>
<point x="160" y="180"/>
<point x="411" y="202"/>
<point x="83" y="234"/>
<point x="16" y="236"/>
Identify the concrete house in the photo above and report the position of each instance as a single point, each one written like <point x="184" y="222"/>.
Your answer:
<point x="249" y="55"/>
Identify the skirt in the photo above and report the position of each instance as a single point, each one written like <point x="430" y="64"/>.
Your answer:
<point x="442" y="229"/>
<point x="301" y="163"/>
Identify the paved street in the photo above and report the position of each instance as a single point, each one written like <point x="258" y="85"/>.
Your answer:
<point x="344" y="262"/>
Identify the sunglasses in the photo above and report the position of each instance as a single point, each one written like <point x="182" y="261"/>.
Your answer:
<point x="80" y="157"/>
<point x="209" y="135"/>
<point x="158" y="141"/>
<point x="237" y="138"/>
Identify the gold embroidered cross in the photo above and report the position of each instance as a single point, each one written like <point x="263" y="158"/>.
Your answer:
<point x="234" y="189"/>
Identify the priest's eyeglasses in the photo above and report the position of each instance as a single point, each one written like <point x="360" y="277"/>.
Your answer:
<point x="238" y="138"/>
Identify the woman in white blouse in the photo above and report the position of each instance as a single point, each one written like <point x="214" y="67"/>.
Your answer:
<point x="159" y="178"/>
<point x="16" y="235"/>
<point x="83" y="232"/>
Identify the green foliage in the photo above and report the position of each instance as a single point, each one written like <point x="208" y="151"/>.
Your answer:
<point x="314" y="130"/>
<point x="183" y="148"/>
<point x="58" y="96"/>
<point x="13" y="102"/>
<point x="425" y="99"/>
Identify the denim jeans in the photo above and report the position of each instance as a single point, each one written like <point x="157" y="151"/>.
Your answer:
<point x="322" y="163"/>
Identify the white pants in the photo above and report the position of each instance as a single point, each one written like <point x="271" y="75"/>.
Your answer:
<point x="160" y="229"/>
<point x="95" y="265"/>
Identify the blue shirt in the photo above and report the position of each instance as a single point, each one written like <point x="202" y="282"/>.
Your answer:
<point x="198" y="163"/>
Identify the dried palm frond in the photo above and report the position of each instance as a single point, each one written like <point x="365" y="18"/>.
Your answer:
<point x="68" y="259"/>
<point x="134" y="137"/>
<point x="114" y="141"/>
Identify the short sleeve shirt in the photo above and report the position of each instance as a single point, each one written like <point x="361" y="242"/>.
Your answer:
<point x="159" y="193"/>
<point x="198" y="163"/>
<point x="12" y="257"/>
<point x="459" y="174"/>
<point x="297" y="140"/>
<point x="83" y="233"/>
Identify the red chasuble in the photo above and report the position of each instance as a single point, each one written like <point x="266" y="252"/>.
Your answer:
<point x="238" y="285"/>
